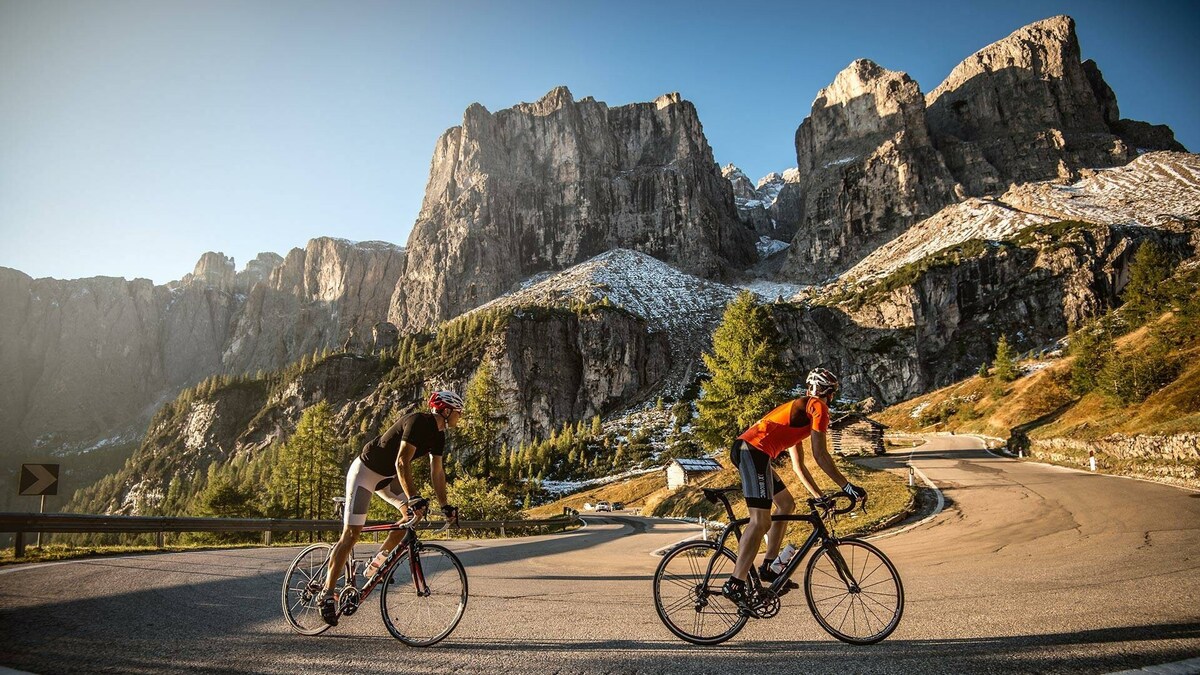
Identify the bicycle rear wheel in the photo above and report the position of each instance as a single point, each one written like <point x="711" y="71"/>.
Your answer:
<point x="301" y="585"/>
<point x="422" y="603"/>
<point x="689" y="600"/>
<point x="854" y="592"/>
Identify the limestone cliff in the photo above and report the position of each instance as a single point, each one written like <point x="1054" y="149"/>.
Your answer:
<point x="86" y="361"/>
<point x="867" y="170"/>
<point x="1026" y="108"/>
<point x="320" y="296"/>
<point x="545" y="185"/>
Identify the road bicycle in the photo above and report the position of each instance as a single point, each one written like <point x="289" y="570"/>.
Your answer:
<point x="852" y="588"/>
<point x="423" y="595"/>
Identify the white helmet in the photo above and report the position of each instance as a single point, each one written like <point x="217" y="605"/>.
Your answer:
<point x="821" y="382"/>
<point x="443" y="402"/>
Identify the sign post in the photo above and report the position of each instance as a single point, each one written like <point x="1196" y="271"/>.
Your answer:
<point x="39" y="480"/>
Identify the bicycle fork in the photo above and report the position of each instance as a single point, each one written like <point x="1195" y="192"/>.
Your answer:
<point x="418" y="574"/>
<point x="843" y="569"/>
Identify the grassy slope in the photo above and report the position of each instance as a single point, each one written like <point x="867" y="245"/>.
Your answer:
<point x="889" y="495"/>
<point x="1041" y="399"/>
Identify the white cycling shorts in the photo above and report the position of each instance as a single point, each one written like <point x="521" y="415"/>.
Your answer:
<point x="361" y="481"/>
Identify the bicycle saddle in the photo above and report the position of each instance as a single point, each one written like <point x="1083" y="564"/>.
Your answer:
<point x="714" y="494"/>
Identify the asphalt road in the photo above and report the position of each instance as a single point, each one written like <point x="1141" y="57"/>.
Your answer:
<point x="1028" y="569"/>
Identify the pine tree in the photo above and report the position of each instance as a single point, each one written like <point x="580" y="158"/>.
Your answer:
<point x="483" y="419"/>
<point x="308" y="472"/>
<point x="1005" y="363"/>
<point x="748" y="377"/>
<point x="597" y="427"/>
<point x="983" y="370"/>
<point x="1146" y="294"/>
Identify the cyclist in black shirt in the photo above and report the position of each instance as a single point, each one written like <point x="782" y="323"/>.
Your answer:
<point x="385" y="468"/>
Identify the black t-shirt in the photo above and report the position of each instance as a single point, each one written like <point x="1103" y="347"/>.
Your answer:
<point x="418" y="428"/>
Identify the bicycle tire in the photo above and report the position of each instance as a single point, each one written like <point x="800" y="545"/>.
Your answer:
<point x="839" y="607"/>
<point x="301" y="585"/>
<point x="675" y="591"/>
<point x="424" y="620"/>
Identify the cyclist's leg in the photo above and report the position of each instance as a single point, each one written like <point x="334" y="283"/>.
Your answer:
<point x="389" y="490"/>
<point x="360" y="481"/>
<point x="784" y="505"/>
<point x="758" y="486"/>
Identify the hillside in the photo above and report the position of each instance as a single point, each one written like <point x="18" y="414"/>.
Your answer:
<point x="1141" y="417"/>
<point x="1158" y="189"/>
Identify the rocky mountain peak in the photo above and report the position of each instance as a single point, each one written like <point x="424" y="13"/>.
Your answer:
<point x="866" y="169"/>
<point x="215" y="270"/>
<point x="1026" y="108"/>
<point x="554" y="100"/>
<point x="257" y="270"/>
<point x="742" y="187"/>
<point x="522" y="191"/>
<point x="667" y="100"/>
<point x="863" y="101"/>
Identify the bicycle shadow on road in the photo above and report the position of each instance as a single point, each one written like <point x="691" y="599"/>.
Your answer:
<point x="1140" y="646"/>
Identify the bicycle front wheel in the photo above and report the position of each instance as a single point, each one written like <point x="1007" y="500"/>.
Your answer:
<point x="688" y="597"/>
<point x="423" y="599"/>
<point x="301" y="585"/>
<point x="854" y="592"/>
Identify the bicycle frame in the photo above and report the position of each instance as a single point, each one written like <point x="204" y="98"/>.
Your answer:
<point x="408" y="544"/>
<point x="819" y="534"/>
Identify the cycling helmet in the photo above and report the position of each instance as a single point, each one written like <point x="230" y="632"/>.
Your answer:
<point x="821" y="382"/>
<point x="443" y="402"/>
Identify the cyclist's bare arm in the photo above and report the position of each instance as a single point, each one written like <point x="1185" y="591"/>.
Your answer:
<point x="404" y="468"/>
<point x="821" y="454"/>
<point x="797" y="454"/>
<point x="437" y="476"/>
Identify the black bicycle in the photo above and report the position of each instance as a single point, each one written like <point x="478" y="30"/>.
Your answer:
<point x="852" y="588"/>
<point x="424" y="588"/>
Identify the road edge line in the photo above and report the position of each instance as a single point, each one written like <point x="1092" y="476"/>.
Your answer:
<point x="941" y="504"/>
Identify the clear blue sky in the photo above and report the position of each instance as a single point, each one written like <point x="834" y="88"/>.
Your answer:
<point x="135" y="135"/>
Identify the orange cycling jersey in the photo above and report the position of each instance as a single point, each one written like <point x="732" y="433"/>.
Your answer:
<point x="774" y="433"/>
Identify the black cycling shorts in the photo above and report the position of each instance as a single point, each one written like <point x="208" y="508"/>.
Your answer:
<point x="760" y="483"/>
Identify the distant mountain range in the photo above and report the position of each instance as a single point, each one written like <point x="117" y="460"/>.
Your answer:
<point x="915" y="229"/>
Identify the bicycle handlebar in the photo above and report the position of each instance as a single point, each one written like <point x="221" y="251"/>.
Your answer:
<point x="828" y="503"/>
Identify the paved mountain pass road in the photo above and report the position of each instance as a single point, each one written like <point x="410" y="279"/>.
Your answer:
<point x="1029" y="568"/>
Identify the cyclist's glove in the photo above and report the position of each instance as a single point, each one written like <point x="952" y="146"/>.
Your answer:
<point x="451" y="513"/>
<point x="418" y="504"/>
<point x="854" y="492"/>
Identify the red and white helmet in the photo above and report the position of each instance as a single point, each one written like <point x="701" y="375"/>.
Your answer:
<point x="821" y="382"/>
<point x="442" y="402"/>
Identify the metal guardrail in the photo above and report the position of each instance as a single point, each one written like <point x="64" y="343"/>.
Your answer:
<point x="24" y="523"/>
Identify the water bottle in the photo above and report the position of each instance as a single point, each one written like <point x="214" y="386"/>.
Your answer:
<point x="784" y="558"/>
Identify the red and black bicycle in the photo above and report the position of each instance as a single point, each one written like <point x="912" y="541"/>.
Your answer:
<point x="423" y="595"/>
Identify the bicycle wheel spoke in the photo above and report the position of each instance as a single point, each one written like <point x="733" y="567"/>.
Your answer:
<point x="869" y="612"/>
<point x="299" y="586"/>
<point x="687" y="595"/>
<point x="424" y="617"/>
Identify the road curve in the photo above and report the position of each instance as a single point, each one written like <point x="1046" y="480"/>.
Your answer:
<point x="1029" y="568"/>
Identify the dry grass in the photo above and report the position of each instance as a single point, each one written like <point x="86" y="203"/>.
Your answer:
<point x="632" y="492"/>
<point x="889" y="495"/>
<point x="1042" y="399"/>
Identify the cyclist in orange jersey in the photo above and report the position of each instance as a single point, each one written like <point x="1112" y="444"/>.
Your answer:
<point x="781" y="430"/>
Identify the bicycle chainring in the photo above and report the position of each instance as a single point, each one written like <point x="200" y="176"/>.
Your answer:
<point x="766" y="604"/>
<point x="348" y="599"/>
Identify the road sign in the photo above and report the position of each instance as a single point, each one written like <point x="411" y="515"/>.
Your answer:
<point x="39" y="479"/>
